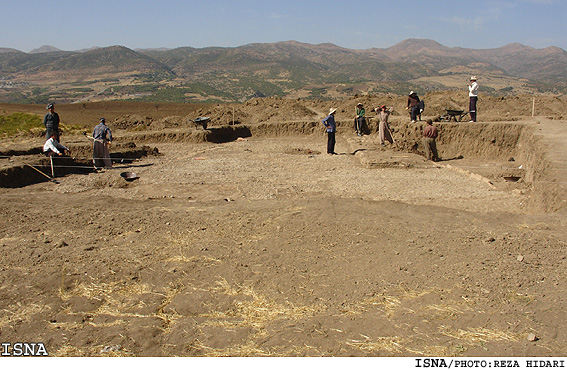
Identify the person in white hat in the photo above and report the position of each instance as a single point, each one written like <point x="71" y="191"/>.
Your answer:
<point x="331" y="128"/>
<point x="473" y="98"/>
<point x="413" y="106"/>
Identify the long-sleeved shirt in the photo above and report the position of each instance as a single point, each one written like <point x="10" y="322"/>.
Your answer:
<point x="383" y="116"/>
<point x="473" y="89"/>
<point x="329" y="123"/>
<point x="430" y="131"/>
<point x="360" y="112"/>
<point x="51" y="120"/>
<point x="413" y="100"/>
<point x="54" y="146"/>
<point x="102" y="132"/>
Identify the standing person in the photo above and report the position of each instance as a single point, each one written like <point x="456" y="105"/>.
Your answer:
<point x="383" y="127"/>
<point x="430" y="133"/>
<point x="329" y="123"/>
<point x="102" y="138"/>
<point x="473" y="98"/>
<point x="359" y="119"/>
<point x="413" y="106"/>
<point x="51" y="122"/>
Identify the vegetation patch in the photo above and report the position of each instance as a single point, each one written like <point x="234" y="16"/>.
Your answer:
<point x="17" y="123"/>
<point x="24" y="124"/>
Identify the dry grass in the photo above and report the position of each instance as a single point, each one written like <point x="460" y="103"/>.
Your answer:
<point x="472" y="336"/>
<point x="102" y="351"/>
<point x="264" y="315"/>
<point x="391" y="345"/>
<point x="20" y="313"/>
<point x="260" y="310"/>
<point x="389" y="302"/>
<point x="103" y="290"/>
<point x="257" y="313"/>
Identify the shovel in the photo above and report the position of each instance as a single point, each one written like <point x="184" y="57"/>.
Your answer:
<point x="50" y="178"/>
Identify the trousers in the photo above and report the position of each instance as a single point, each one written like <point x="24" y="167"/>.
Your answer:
<point x="430" y="149"/>
<point x="330" y="142"/>
<point x="472" y="107"/>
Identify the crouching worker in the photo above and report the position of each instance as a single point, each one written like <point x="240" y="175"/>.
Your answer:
<point x="52" y="147"/>
<point x="102" y="138"/>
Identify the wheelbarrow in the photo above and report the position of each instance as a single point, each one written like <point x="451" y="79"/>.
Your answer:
<point x="201" y="121"/>
<point x="453" y="114"/>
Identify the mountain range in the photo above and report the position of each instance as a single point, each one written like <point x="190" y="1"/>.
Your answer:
<point x="290" y="69"/>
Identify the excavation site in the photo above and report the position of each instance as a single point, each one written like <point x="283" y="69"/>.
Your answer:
<point x="245" y="238"/>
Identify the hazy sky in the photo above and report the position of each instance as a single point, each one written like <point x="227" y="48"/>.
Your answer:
<point x="354" y="24"/>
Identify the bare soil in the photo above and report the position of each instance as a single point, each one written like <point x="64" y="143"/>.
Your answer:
<point x="248" y="240"/>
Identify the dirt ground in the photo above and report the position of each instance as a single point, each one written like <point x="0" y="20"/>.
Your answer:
<point x="266" y="246"/>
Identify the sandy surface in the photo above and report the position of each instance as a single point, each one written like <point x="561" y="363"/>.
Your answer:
<point x="267" y="247"/>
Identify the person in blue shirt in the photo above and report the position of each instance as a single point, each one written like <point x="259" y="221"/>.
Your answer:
<point x="331" y="126"/>
<point x="102" y="137"/>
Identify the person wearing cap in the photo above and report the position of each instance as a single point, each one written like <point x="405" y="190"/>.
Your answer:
<point x="430" y="133"/>
<point x="102" y="138"/>
<point x="331" y="128"/>
<point x="384" y="133"/>
<point x="359" y="119"/>
<point x="473" y="98"/>
<point x="51" y="122"/>
<point x="413" y="106"/>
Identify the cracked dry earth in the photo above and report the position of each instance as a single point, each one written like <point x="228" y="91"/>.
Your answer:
<point x="269" y="247"/>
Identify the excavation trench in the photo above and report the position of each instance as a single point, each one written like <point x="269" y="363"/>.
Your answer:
<point x="29" y="167"/>
<point x="505" y="150"/>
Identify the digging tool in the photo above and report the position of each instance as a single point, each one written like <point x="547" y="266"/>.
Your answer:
<point x="52" y="170"/>
<point x="50" y="178"/>
<point x="390" y="132"/>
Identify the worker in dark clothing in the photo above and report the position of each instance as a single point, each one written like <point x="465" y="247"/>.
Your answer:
<point x="413" y="106"/>
<point x="51" y="122"/>
<point x="359" y="119"/>
<point x="331" y="128"/>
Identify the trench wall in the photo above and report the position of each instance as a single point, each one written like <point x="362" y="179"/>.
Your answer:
<point x="494" y="141"/>
<point x="498" y="141"/>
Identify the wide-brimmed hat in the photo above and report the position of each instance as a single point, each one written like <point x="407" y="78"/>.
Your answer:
<point x="332" y="110"/>
<point x="359" y="104"/>
<point x="411" y="93"/>
<point x="473" y="78"/>
<point x="49" y="106"/>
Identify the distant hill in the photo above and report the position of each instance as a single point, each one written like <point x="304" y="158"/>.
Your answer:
<point x="548" y="64"/>
<point x="8" y="50"/>
<point x="113" y="59"/>
<point x="289" y="68"/>
<point x="44" y="49"/>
